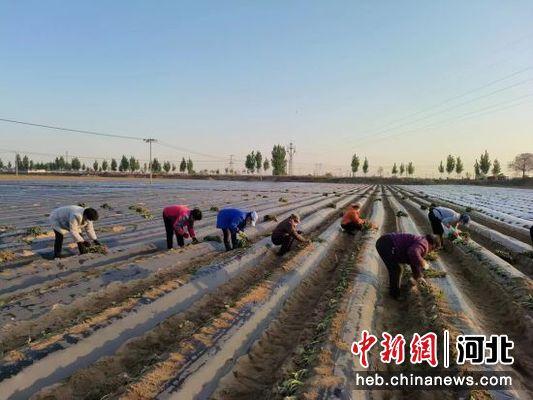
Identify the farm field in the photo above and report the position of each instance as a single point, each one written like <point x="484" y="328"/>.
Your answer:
<point x="142" y="322"/>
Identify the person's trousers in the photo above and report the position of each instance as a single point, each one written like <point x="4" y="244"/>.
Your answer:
<point x="285" y="241"/>
<point x="351" y="227"/>
<point x="385" y="249"/>
<point x="58" y="244"/>
<point x="229" y="234"/>
<point x="531" y="233"/>
<point x="169" y="228"/>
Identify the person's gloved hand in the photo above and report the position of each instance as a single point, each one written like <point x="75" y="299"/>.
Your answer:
<point x="186" y="235"/>
<point x="195" y="241"/>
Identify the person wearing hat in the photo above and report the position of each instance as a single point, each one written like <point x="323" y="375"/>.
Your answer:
<point x="351" y="220"/>
<point x="232" y="221"/>
<point x="177" y="218"/>
<point x="404" y="248"/>
<point x="443" y="219"/>
<point x="285" y="233"/>
<point x="73" y="219"/>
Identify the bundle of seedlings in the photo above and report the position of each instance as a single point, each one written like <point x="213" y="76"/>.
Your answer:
<point x="212" y="238"/>
<point x="34" y="231"/>
<point x="332" y="205"/>
<point x="270" y="217"/>
<point x="368" y="226"/>
<point x="214" y="208"/>
<point x="242" y="240"/>
<point x="283" y="200"/>
<point x="431" y="256"/>
<point x="96" y="248"/>
<point x="401" y="213"/>
<point x="142" y="211"/>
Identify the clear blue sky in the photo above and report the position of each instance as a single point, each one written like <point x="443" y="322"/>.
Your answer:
<point x="225" y="77"/>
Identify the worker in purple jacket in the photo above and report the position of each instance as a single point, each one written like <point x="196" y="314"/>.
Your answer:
<point x="404" y="248"/>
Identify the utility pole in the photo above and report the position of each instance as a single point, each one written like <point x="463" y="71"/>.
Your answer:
<point x="150" y="141"/>
<point x="291" y="150"/>
<point x="231" y="163"/>
<point x="16" y="165"/>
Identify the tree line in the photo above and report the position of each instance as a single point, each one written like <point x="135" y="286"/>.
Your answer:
<point x="484" y="167"/>
<point x="125" y="164"/>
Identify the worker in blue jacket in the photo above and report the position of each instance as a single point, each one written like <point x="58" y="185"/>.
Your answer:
<point x="233" y="221"/>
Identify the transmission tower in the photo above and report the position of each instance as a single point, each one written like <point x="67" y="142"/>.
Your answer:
<point x="231" y="163"/>
<point x="292" y="151"/>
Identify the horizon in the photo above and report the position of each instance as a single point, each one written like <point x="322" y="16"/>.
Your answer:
<point x="391" y="82"/>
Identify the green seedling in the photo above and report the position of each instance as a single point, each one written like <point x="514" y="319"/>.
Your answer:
<point x="505" y="255"/>
<point x="423" y="207"/>
<point x="6" y="255"/>
<point x="213" y="208"/>
<point x="142" y="211"/>
<point x="82" y="204"/>
<point x="212" y="238"/>
<point x="325" y="194"/>
<point x="433" y="273"/>
<point x="34" y="231"/>
<point x="106" y="206"/>
<point x="97" y="248"/>
<point x="401" y="213"/>
<point x="283" y="200"/>
<point x="270" y="217"/>
<point x="331" y="205"/>
<point x="431" y="256"/>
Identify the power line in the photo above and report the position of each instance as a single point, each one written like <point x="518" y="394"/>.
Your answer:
<point x="186" y="150"/>
<point x="63" y="129"/>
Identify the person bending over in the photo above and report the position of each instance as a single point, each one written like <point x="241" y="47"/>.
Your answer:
<point x="73" y="219"/>
<point x="286" y="233"/>
<point x="232" y="221"/>
<point x="351" y="220"/>
<point x="404" y="248"/>
<point x="177" y="218"/>
<point x="443" y="220"/>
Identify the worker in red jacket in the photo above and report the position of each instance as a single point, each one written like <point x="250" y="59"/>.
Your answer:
<point x="404" y="248"/>
<point x="177" y="218"/>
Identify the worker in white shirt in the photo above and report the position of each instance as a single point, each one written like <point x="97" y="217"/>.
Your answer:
<point x="444" y="220"/>
<point x="73" y="219"/>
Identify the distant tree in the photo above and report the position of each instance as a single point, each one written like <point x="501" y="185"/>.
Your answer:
<point x="166" y="166"/>
<point x="394" y="169"/>
<point x="441" y="167"/>
<point x="113" y="164"/>
<point x="484" y="163"/>
<point x="135" y="165"/>
<point x="279" y="163"/>
<point x="450" y="164"/>
<point x="95" y="165"/>
<point x="190" y="167"/>
<point x="83" y="167"/>
<point x="258" y="161"/>
<point x="173" y="167"/>
<point x="365" y="166"/>
<point x="156" y="165"/>
<point x="9" y="165"/>
<point x="477" y="171"/>
<point x="410" y="168"/>
<point x="1" y="164"/>
<point x="380" y="171"/>
<point x="32" y="165"/>
<point x="105" y="165"/>
<point x="355" y="164"/>
<point x="402" y="169"/>
<point x="183" y="165"/>
<point x="459" y="167"/>
<point x="25" y="163"/>
<point x="75" y="164"/>
<point x="496" y="168"/>
<point x="124" y="164"/>
<point x="249" y="163"/>
<point x="522" y="163"/>
<point x="18" y="161"/>
<point x="266" y="165"/>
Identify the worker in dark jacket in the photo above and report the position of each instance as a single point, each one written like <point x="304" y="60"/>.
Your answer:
<point x="177" y="218"/>
<point x="233" y="221"/>
<point x="404" y="248"/>
<point x="285" y="233"/>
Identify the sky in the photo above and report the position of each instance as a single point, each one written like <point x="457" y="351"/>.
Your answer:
<point x="391" y="81"/>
